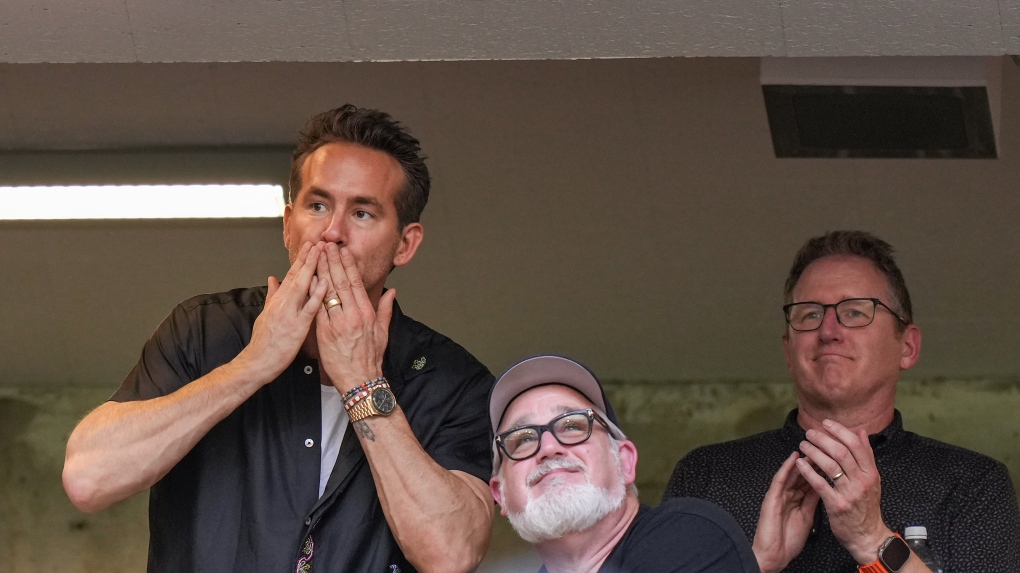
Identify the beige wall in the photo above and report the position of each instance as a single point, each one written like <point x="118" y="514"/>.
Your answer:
<point x="628" y="212"/>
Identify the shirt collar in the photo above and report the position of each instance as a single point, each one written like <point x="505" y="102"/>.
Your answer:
<point x="880" y="442"/>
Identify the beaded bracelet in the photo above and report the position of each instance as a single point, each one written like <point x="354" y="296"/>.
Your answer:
<point x="354" y="400"/>
<point x="364" y="388"/>
<point x="362" y="394"/>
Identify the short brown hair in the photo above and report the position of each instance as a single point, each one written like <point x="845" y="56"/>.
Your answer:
<point x="854" y="244"/>
<point x="373" y="129"/>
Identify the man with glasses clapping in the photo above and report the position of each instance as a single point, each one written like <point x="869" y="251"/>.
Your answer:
<point x="835" y="488"/>
<point x="563" y="473"/>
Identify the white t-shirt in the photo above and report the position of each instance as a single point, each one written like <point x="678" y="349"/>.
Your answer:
<point x="334" y="425"/>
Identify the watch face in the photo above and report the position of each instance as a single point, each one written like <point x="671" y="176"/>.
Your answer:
<point x="384" y="401"/>
<point x="894" y="554"/>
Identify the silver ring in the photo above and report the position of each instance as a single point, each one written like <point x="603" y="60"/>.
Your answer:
<point x="332" y="302"/>
<point x="837" y="476"/>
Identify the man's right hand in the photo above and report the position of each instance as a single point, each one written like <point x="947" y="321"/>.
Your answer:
<point x="123" y="448"/>
<point x="287" y="317"/>
<point x="787" y="515"/>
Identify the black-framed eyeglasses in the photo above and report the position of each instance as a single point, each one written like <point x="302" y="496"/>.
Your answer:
<point x="851" y="313"/>
<point x="569" y="429"/>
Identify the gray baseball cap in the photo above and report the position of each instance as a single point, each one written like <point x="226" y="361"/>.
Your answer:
<point x="543" y="370"/>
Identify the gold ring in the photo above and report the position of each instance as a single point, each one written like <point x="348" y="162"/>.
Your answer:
<point x="837" y="476"/>
<point x="332" y="302"/>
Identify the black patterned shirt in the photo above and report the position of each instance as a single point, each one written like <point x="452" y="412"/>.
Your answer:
<point x="965" y="499"/>
<point x="246" y="498"/>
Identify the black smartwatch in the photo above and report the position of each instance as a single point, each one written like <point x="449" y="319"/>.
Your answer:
<point x="892" y="556"/>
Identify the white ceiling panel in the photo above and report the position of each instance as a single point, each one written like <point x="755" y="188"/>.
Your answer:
<point x="261" y="30"/>
<point x="445" y="30"/>
<point x="1010" y="14"/>
<point x="55" y="31"/>
<point x="411" y="30"/>
<point x="543" y="30"/>
<point x="668" y="28"/>
<point x="903" y="28"/>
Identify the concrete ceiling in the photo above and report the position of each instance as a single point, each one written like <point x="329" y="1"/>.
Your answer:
<point x="122" y="31"/>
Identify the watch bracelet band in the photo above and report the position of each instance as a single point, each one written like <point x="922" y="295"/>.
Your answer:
<point x="876" y="566"/>
<point x="364" y="388"/>
<point x="361" y="410"/>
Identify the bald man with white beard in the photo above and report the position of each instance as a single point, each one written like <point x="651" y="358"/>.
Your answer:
<point x="564" y="472"/>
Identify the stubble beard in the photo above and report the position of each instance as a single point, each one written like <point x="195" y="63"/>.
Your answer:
<point x="565" y="508"/>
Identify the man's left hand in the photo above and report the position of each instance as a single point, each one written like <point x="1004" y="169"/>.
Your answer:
<point x="846" y="478"/>
<point x="352" y="335"/>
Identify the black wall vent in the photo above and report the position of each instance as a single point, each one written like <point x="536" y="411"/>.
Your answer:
<point x="880" y="121"/>
<point x="883" y="106"/>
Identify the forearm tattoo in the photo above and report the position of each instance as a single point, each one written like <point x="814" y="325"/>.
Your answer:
<point x="364" y="430"/>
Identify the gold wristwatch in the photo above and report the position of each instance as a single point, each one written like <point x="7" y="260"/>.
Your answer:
<point x="379" y="402"/>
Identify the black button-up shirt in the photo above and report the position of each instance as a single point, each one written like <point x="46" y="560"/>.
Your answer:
<point x="965" y="499"/>
<point x="245" y="499"/>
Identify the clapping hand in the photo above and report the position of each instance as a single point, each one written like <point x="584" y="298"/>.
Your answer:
<point x="842" y="471"/>
<point x="787" y="515"/>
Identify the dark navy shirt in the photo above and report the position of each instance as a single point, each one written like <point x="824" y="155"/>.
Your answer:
<point x="245" y="499"/>
<point x="683" y="535"/>
<point x="965" y="499"/>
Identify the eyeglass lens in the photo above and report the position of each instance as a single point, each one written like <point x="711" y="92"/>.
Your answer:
<point x="569" y="429"/>
<point x="852" y="313"/>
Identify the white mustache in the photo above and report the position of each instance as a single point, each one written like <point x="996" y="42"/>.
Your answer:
<point x="555" y="464"/>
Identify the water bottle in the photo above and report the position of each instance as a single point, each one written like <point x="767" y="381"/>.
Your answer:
<point x="917" y="539"/>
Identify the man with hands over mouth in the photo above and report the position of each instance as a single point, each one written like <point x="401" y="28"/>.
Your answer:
<point x="834" y="488"/>
<point x="308" y="425"/>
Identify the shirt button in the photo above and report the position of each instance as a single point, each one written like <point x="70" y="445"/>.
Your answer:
<point x="308" y="369"/>
<point x="308" y="521"/>
<point x="309" y="443"/>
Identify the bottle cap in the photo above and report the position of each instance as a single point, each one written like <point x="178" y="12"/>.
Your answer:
<point x="916" y="532"/>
